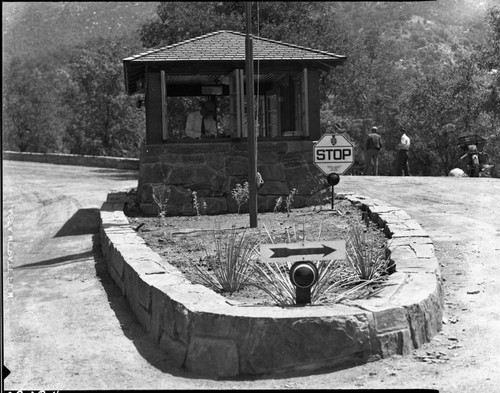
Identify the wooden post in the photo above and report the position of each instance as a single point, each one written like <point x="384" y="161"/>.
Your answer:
<point x="252" y="137"/>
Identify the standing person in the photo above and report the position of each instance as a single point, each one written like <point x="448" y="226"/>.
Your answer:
<point x="373" y="145"/>
<point x="201" y="124"/>
<point x="403" y="147"/>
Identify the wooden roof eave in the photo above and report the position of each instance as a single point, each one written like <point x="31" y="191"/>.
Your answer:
<point x="135" y="70"/>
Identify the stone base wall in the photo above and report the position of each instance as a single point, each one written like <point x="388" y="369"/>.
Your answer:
<point x="201" y="332"/>
<point x="212" y="170"/>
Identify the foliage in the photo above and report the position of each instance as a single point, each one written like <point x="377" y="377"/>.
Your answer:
<point x="277" y="204"/>
<point x="289" y="200"/>
<point x="196" y="205"/>
<point x="104" y="119"/>
<point x="429" y="66"/>
<point x="160" y="198"/>
<point x="231" y="263"/>
<point x="240" y="194"/>
<point x="367" y="261"/>
<point x="365" y="266"/>
<point x="29" y="121"/>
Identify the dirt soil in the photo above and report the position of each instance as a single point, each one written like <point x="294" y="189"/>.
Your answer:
<point x="67" y="326"/>
<point x="185" y="241"/>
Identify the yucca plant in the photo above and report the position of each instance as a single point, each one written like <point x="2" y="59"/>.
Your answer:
<point x="273" y="277"/>
<point x="365" y="265"/>
<point x="367" y="260"/>
<point x="231" y="263"/>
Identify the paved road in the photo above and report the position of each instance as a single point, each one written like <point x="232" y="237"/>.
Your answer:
<point x="67" y="326"/>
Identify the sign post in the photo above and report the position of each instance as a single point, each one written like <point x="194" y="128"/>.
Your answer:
<point x="333" y="155"/>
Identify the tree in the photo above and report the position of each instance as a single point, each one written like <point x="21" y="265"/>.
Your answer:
<point x="489" y="61"/>
<point x="30" y="106"/>
<point x="103" y="119"/>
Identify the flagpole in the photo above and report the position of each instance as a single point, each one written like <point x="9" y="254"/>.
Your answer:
<point x="252" y="137"/>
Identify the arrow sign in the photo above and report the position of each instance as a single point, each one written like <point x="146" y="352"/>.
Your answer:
<point x="286" y="252"/>
<point x="310" y="251"/>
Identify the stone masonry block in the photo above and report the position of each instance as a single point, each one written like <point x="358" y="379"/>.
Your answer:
<point x="158" y="313"/>
<point x="131" y="281"/>
<point x="117" y="279"/>
<point x="272" y="172"/>
<point x="277" y="188"/>
<point x="175" y="350"/>
<point x="216" y="357"/>
<point x="417" y="265"/>
<point x="116" y="260"/>
<point x="407" y="233"/>
<point x="176" y="325"/>
<point x="279" y="344"/>
<point x="390" y="319"/>
<point x="395" y="343"/>
<point x="236" y="166"/>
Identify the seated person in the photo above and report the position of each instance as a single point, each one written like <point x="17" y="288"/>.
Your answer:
<point x="201" y="124"/>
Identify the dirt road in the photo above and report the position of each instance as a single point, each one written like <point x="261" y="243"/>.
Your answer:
<point x="66" y="325"/>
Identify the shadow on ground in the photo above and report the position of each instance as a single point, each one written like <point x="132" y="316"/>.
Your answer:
<point x="83" y="222"/>
<point x="59" y="261"/>
<point x="129" y="324"/>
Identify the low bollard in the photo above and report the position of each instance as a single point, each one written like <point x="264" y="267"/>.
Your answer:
<point x="303" y="276"/>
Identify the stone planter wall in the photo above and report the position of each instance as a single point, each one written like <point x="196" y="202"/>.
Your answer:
<point x="213" y="170"/>
<point x="203" y="333"/>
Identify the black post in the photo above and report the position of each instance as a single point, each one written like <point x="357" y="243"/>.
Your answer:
<point x="333" y="196"/>
<point x="302" y="295"/>
<point x="252" y="137"/>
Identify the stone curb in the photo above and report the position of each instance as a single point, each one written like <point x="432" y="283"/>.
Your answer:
<point x="201" y="332"/>
<point x="74" y="159"/>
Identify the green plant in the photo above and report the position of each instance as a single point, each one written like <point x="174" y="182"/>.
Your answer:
<point x="277" y="204"/>
<point x="231" y="264"/>
<point x="289" y="200"/>
<point x="160" y="198"/>
<point x="367" y="260"/>
<point x="318" y="186"/>
<point x="198" y="208"/>
<point x="241" y="194"/>
<point x="366" y="264"/>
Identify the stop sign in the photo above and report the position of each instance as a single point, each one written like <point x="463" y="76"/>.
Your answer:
<point x="333" y="154"/>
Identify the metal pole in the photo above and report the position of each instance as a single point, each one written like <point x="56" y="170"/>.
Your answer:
<point x="252" y="137"/>
<point x="333" y="196"/>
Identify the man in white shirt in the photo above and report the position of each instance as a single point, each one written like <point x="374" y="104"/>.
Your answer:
<point x="403" y="147"/>
<point x="201" y="124"/>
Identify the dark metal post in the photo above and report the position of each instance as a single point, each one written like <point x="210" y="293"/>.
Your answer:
<point x="333" y="196"/>
<point x="252" y="137"/>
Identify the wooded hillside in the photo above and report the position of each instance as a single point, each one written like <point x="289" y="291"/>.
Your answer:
<point x="427" y="66"/>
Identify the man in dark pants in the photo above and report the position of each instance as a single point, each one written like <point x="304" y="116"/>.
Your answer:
<point x="373" y="146"/>
<point x="403" y="147"/>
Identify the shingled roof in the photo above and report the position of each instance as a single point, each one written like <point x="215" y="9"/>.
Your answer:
<point x="221" y="52"/>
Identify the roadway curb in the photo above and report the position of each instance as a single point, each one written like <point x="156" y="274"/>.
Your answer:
<point x="201" y="332"/>
<point x="73" y="159"/>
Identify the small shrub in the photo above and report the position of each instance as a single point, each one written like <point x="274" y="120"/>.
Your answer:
<point x="289" y="200"/>
<point x="241" y="194"/>
<point x="160" y="198"/>
<point x="366" y="264"/>
<point x="198" y="208"/>
<point x="367" y="260"/>
<point x="231" y="264"/>
<point x="277" y="204"/>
